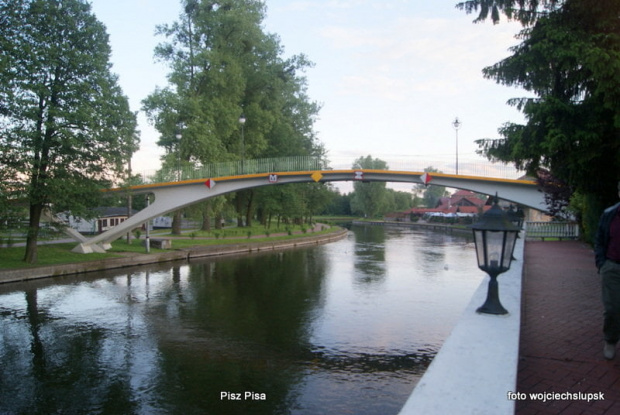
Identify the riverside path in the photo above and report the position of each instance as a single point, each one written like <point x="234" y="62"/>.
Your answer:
<point x="561" y="345"/>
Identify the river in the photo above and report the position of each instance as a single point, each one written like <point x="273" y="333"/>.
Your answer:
<point x="347" y="327"/>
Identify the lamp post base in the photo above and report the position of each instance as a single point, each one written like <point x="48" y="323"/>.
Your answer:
<point x="492" y="305"/>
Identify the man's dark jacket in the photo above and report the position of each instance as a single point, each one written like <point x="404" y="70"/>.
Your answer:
<point x="602" y="235"/>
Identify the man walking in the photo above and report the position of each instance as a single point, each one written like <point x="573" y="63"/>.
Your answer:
<point x="607" y="251"/>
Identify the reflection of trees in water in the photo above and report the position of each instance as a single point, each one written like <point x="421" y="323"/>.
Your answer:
<point x="369" y="254"/>
<point x="69" y="366"/>
<point x="180" y="338"/>
<point x="36" y="346"/>
<point x="372" y="234"/>
<point x="268" y="298"/>
<point x="171" y="340"/>
<point x="246" y="323"/>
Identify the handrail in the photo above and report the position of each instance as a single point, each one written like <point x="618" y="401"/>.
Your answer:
<point x="304" y="163"/>
<point x="234" y="168"/>
<point x="556" y="230"/>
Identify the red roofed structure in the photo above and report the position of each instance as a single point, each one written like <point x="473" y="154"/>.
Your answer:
<point x="462" y="203"/>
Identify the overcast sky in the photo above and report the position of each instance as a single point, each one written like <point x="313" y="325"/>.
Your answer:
<point x="391" y="76"/>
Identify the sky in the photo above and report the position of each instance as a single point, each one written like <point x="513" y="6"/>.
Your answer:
<point x="391" y="75"/>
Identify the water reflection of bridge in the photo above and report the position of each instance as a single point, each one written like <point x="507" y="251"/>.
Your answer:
<point x="177" y="188"/>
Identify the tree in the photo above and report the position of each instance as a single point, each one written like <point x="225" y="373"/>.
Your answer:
<point x="369" y="199"/>
<point x="524" y="11"/>
<point x="340" y="204"/>
<point x="569" y="58"/>
<point x="399" y="200"/>
<point x="223" y="65"/>
<point x="66" y="125"/>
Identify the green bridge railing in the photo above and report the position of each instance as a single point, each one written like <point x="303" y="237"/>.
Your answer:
<point x="235" y="168"/>
<point x="307" y="163"/>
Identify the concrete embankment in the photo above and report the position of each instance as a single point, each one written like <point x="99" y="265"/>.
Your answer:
<point x="476" y="368"/>
<point x="186" y="254"/>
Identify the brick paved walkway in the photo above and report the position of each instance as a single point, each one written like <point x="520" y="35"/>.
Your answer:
<point x="561" y="346"/>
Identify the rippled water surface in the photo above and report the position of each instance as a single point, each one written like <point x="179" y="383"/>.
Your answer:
<point x="347" y="327"/>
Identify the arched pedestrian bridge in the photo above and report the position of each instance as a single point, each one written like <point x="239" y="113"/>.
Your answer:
<point x="171" y="194"/>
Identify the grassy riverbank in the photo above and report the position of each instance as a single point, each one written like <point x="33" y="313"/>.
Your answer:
<point x="60" y="253"/>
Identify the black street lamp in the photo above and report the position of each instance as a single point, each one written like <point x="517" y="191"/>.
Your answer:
<point x="495" y="237"/>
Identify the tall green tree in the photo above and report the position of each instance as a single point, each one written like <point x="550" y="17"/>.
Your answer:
<point x="66" y="126"/>
<point x="223" y="65"/>
<point x="369" y="199"/>
<point x="569" y="59"/>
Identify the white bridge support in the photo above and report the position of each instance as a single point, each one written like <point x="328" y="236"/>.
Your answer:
<point x="176" y="195"/>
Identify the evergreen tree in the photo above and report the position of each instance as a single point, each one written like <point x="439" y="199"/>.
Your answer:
<point x="569" y="58"/>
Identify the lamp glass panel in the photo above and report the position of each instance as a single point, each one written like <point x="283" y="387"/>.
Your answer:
<point x="494" y="242"/>
<point x="511" y="238"/>
<point x="479" y="240"/>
